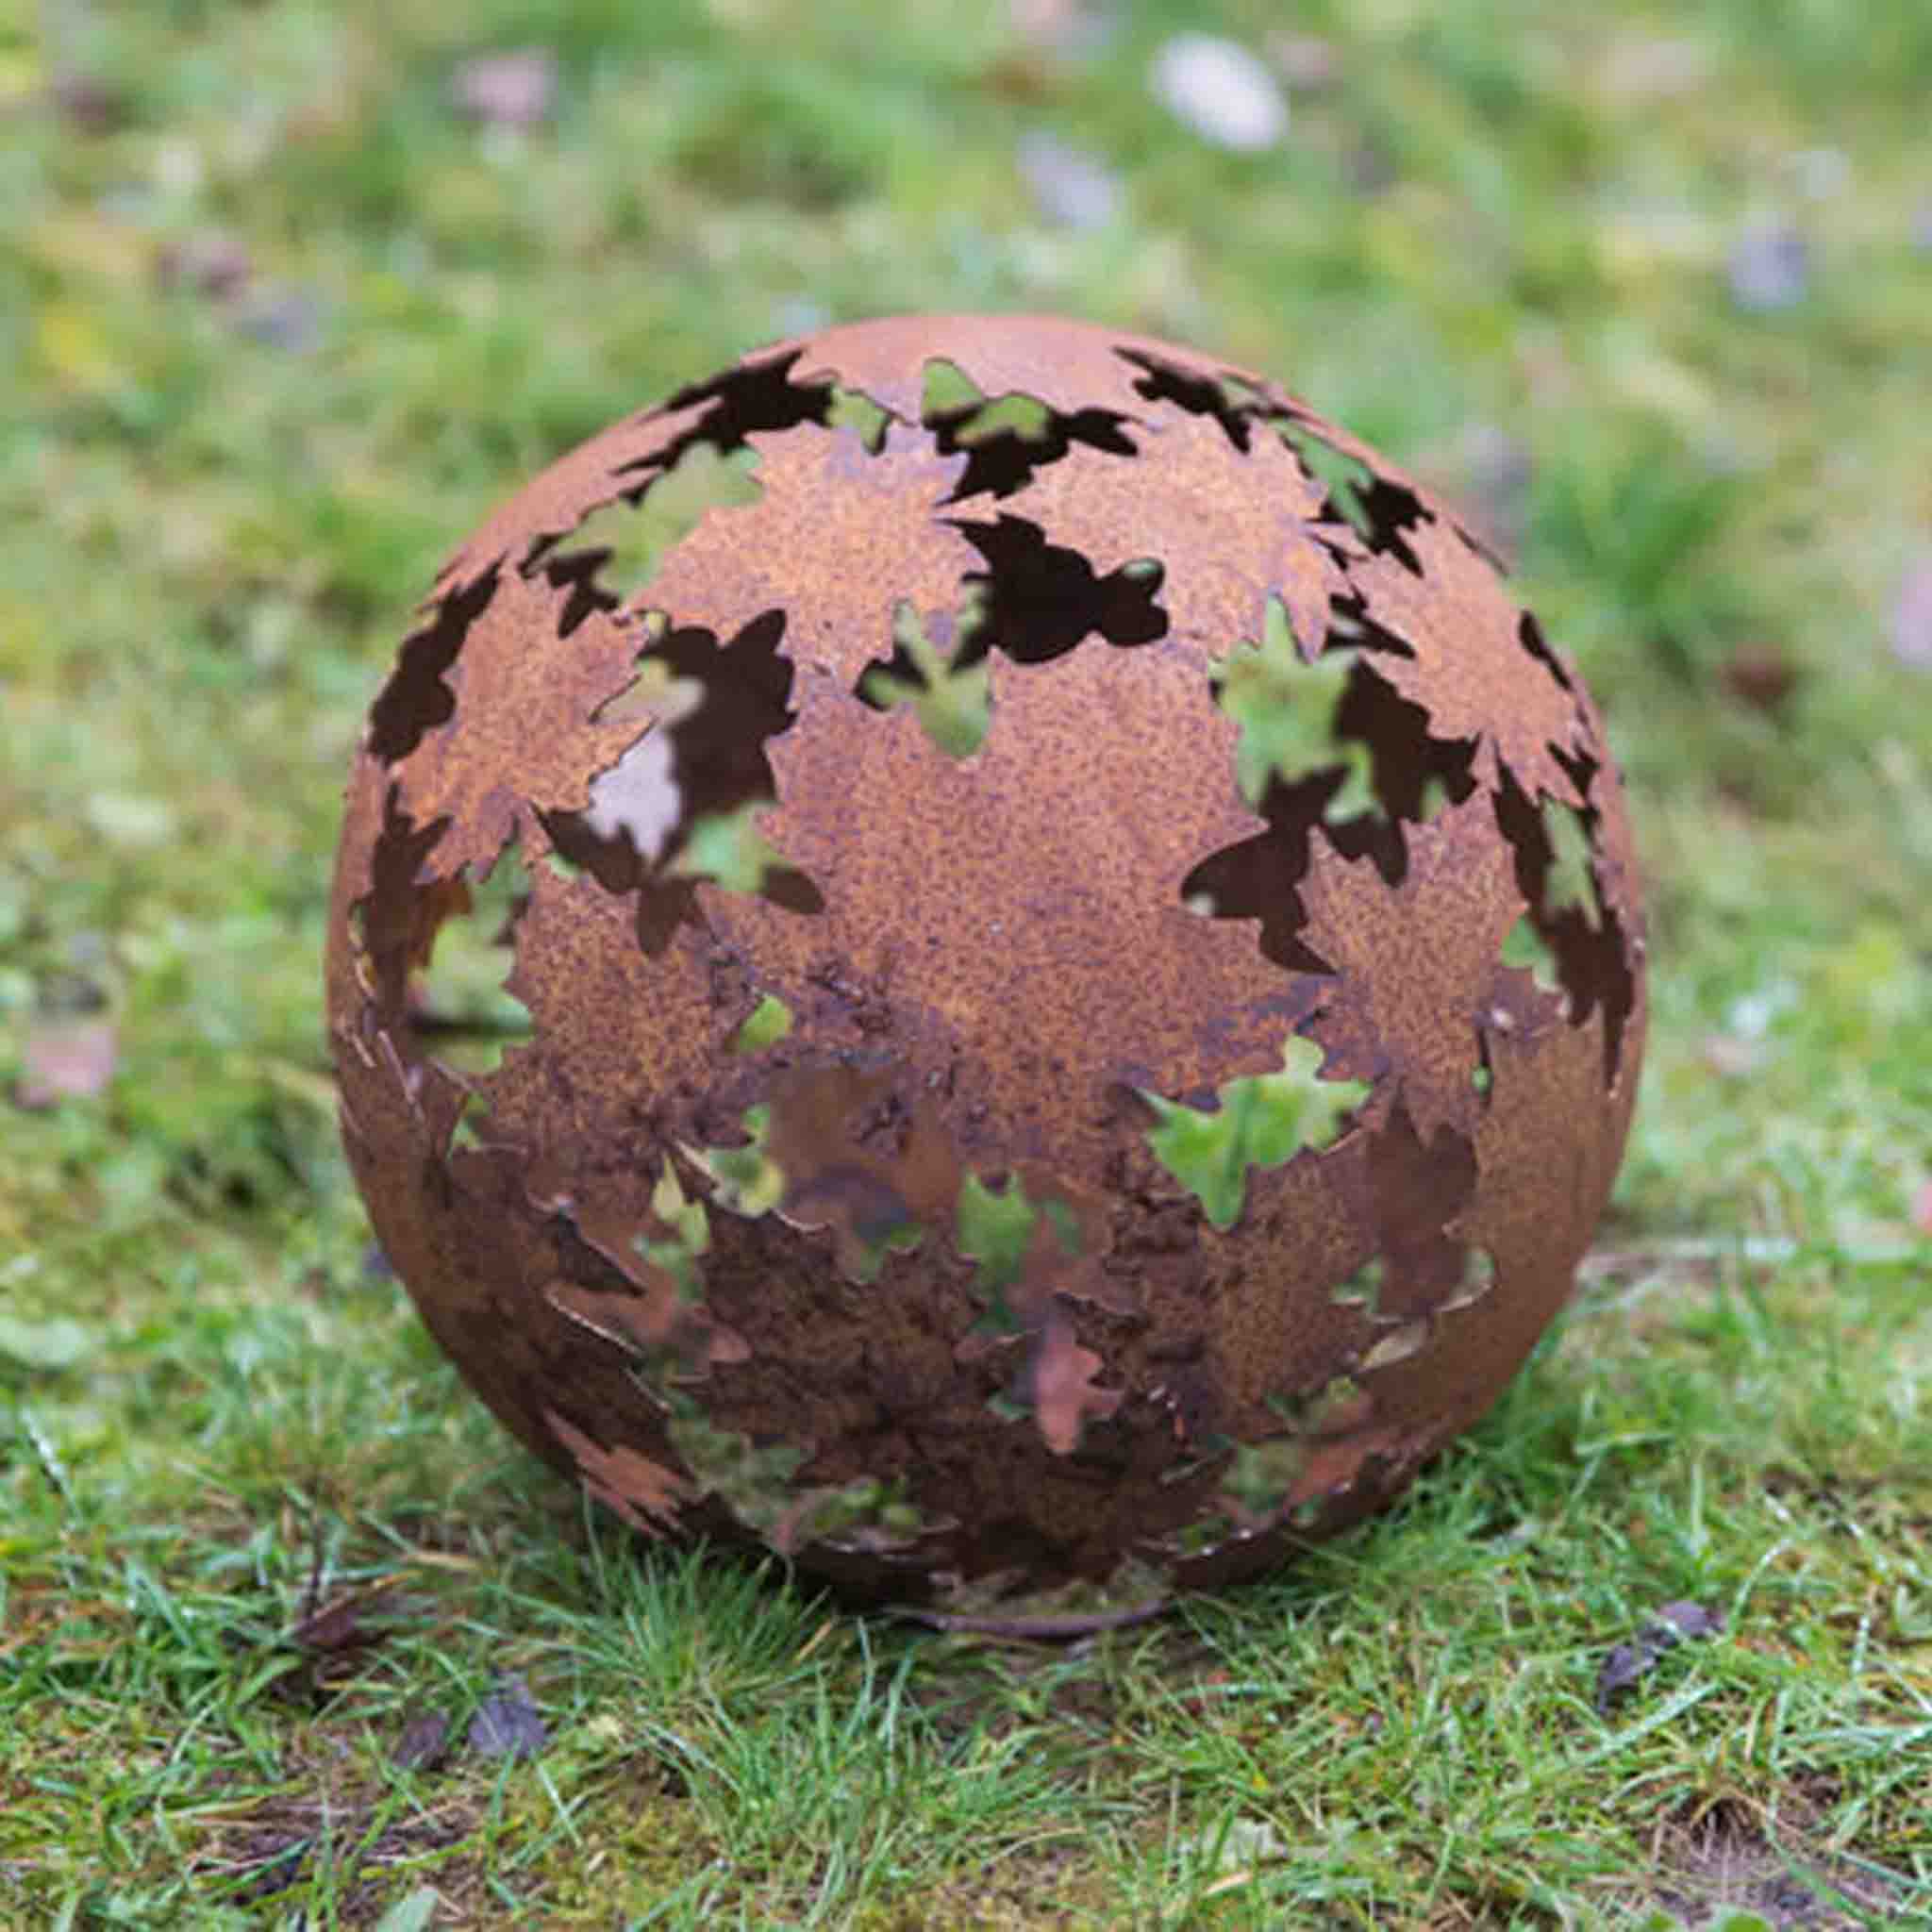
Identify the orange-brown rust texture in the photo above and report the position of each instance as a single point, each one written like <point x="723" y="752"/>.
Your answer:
<point x="931" y="743"/>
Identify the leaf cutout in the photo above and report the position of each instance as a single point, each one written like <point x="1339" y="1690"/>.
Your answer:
<point x="1289" y="709"/>
<point x="1060" y="1383"/>
<point x="767" y="1023"/>
<point x="1012" y="1240"/>
<point x="727" y="848"/>
<point x="953" y="701"/>
<point x="746" y="1180"/>
<point x="1264" y="1120"/>
<point x="1571" y="879"/>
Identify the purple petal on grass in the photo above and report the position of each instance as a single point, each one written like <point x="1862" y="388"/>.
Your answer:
<point x="1685" y="1618"/>
<point x="94" y="106"/>
<point x="507" y="1724"/>
<point x="1069" y="28"/>
<point x="1622" y="1668"/>
<point x="288" y="319"/>
<point x="1911" y="616"/>
<point x="211" y="262"/>
<point x="1770" y="267"/>
<point x="1069" y="185"/>
<point x="1309" y="63"/>
<point x="510" y="90"/>
<point x="67" y="1060"/>
<point x="1629" y="1662"/>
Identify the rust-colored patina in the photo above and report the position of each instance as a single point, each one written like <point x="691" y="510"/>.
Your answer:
<point x="1083" y="962"/>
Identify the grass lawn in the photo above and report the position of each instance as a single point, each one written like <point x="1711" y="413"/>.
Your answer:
<point x="289" y="1633"/>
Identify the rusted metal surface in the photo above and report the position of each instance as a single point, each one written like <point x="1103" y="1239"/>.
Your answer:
<point x="999" y="1277"/>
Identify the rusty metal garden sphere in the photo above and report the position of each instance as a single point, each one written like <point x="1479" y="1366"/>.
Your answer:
<point x="1082" y="961"/>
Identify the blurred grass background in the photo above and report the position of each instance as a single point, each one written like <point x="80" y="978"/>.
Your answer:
<point x="292" y="293"/>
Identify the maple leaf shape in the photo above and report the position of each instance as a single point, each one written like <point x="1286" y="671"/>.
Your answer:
<point x="645" y="1493"/>
<point x="727" y="848"/>
<point x="951" y="698"/>
<point x="1060" y="1381"/>
<point x="1289" y="709"/>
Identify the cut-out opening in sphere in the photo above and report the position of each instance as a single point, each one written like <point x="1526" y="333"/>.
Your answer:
<point x="462" y="1012"/>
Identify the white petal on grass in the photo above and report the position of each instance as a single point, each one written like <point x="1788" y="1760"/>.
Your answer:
<point x="1221" y="91"/>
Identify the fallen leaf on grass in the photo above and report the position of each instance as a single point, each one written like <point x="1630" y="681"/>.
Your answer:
<point x="67" y="1060"/>
<point x="507" y="1724"/>
<point x="350" y="1622"/>
<point x="1629" y="1662"/>
<point x="425" y="1743"/>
